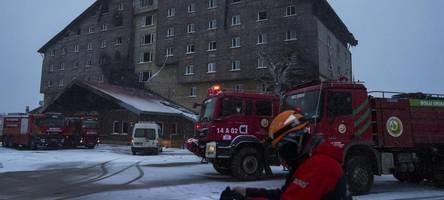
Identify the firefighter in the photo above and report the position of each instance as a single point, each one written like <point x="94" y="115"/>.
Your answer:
<point x="314" y="166"/>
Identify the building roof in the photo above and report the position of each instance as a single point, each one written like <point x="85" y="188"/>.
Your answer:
<point x="330" y="18"/>
<point x="137" y="101"/>
<point x="59" y="35"/>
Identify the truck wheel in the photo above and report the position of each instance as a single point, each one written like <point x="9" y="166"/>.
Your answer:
<point x="247" y="164"/>
<point x="222" y="167"/>
<point x="90" y="146"/>
<point x="359" y="175"/>
<point x="134" y="152"/>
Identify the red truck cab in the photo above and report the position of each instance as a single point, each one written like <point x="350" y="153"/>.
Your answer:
<point x="83" y="131"/>
<point x="230" y="131"/>
<point x="387" y="133"/>
<point x="33" y="130"/>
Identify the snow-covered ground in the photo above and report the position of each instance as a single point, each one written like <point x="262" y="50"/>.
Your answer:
<point x="111" y="172"/>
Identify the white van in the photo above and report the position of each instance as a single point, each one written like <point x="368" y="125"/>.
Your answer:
<point x="146" y="138"/>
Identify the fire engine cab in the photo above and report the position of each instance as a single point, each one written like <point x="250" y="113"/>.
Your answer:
<point x="381" y="133"/>
<point x="230" y="131"/>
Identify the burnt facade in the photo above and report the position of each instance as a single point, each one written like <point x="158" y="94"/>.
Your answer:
<point x="179" y="48"/>
<point x="232" y="42"/>
<point x="97" y="47"/>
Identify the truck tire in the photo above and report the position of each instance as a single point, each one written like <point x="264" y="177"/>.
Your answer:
<point x="359" y="175"/>
<point x="89" y="146"/>
<point x="247" y="164"/>
<point x="222" y="167"/>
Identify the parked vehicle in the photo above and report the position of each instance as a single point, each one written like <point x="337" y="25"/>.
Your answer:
<point x="33" y="130"/>
<point x="146" y="138"/>
<point x="231" y="129"/>
<point x="82" y="131"/>
<point x="394" y="133"/>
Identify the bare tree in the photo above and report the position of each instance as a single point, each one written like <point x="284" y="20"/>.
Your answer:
<point x="287" y="68"/>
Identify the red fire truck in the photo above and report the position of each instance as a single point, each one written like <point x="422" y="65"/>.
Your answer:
<point x="33" y="130"/>
<point x="231" y="129"/>
<point x="82" y="131"/>
<point x="381" y="132"/>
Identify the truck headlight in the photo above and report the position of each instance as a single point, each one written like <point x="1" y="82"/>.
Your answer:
<point x="210" y="150"/>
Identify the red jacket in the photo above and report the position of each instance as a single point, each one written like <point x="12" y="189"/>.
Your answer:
<point x="320" y="176"/>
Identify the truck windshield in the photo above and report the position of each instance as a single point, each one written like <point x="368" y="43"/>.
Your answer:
<point x="150" y="134"/>
<point x="90" y="124"/>
<point x="307" y="101"/>
<point x="207" y="111"/>
<point x="51" y="122"/>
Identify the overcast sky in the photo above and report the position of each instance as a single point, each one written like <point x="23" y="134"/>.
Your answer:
<point x="401" y="45"/>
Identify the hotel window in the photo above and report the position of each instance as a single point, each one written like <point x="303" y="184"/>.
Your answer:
<point x="212" y="46"/>
<point x="116" y="127"/>
<point x="170" y="32"/>
<point x="262" y="16"/>
<point x="119" y="40"/>
<point x="76" y="48"/>
<point x="100" y="78"/>
<point x="148" y="20"/>
<point x="190" y="49"/>
<point x="262" y="38"/>
<point x="146" y="57"/>
<point x="235" y="65"/>
<point x="192" y="8"/>
<point x="261" y="63"/>
<point x="191" y="28"/>
<point x="51" y="68"/>
<point x="61" y="82"/>
<point x="103" y="44"/>
<point x="169" y="52"/>
<point x="120" y="6"/>
<point x="125" y="128"/>
<point x="211" y="68"/>
<point x="50" y="84"/>
<point x="238" y="87"/>
<point x="62" y="66"/>
<point x="193" y="92"/>
<point x="235" y="42"/>
<point x="235" y="20"/>
<point x="145" y="76"/>
<point x="212" y="24"/>
<point x="52" y="52"/>
<point x="212" y="4"/>
<point x="148" y="39"/>
<point x="63" y="51"/>
<point x="291" y="35"/>
<point x="189" y="70"/>
<point x="91" y="29"/>
<point x="291" y="10"/>
<point x="104" y="27"/>
<point x="90" y="46"/>
<point x="171" y="12"/>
